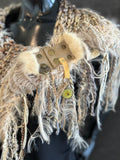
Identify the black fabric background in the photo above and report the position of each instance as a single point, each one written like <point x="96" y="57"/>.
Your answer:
<point x="108" y="140"/>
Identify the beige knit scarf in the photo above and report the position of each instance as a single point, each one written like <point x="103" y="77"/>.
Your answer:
<point x="65" y="83"/>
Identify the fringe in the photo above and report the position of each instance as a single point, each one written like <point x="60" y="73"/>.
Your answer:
<point x="10" y="146"/>
<point x="54" y="110"/>
<point x="61" y="113"/>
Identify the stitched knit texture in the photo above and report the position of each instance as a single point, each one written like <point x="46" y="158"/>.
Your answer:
<point x="59" y="103"/>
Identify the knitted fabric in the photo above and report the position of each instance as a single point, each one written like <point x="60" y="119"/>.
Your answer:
<point x="60" y="103"/>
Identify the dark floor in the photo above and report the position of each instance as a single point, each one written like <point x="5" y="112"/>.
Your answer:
<point x="108" y="141"/>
